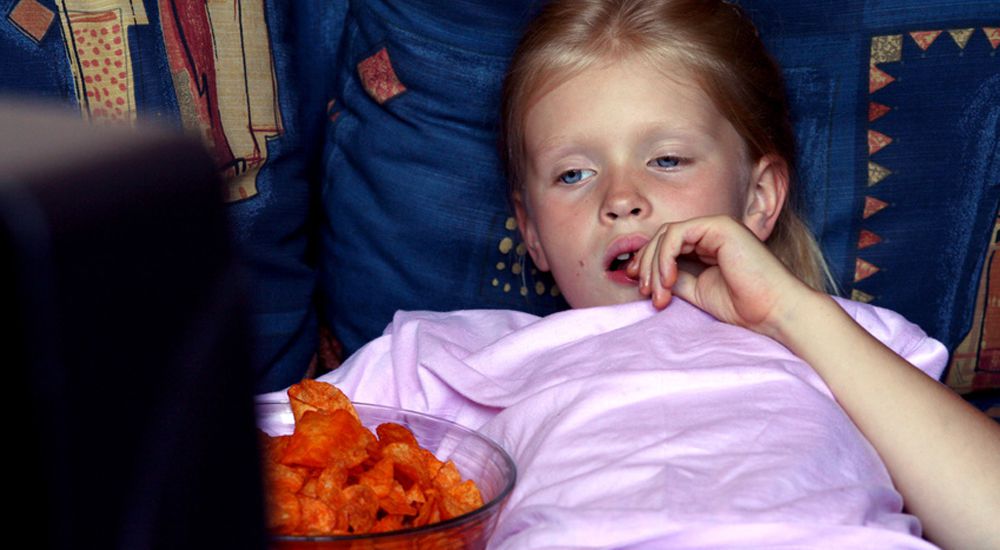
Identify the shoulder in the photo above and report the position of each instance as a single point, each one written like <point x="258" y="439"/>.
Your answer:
<point x="902" y="336"/>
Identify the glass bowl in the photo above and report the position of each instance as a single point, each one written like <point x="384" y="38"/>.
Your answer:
<point x="476" y="457"/>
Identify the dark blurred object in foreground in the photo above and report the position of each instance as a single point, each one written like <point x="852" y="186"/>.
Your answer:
<point x="128" y="359"/>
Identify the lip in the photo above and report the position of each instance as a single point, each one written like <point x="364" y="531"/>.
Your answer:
<point x="621" y="245"/>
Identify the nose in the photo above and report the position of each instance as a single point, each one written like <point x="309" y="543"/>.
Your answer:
<point x="624" y="200"/>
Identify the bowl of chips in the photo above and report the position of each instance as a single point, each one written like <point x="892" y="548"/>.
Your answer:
<point x="352" y="475"/>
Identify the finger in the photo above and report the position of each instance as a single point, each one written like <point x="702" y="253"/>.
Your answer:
<point x="646" y="256"/>
<point x="660" y="292"/>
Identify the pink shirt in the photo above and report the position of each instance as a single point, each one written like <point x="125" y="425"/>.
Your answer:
<point x="637" y="428"/>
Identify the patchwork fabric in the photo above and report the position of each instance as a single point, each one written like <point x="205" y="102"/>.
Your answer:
<point x="895" y="108"/>
<point x="249" y="77"/>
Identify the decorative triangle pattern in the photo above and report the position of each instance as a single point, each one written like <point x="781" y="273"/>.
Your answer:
<point x="873" y="206"/>
<point x="877" y="111"/>
<point x="886" y="49"/>
<point x="877" y="173"/>
<point x="867" y="238"/>
<point x="993" y="35"/>
<point x="863" y="269"/>
<point x="878" y="79"/>
<point x="877" y="141"/>
<point x="924" y="39"/>
<point x="859" y="296"/>
<point x="961" y="36"/>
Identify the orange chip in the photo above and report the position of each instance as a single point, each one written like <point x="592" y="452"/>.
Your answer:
<point x="414" y="495"/>
<point x="331" y="479"/>
<point x="332" y="476"/>
<point x="459" y="499"/>
<point x="431" y="463"/>
<point x="283" y="478"/>
<point x="310" y="395"/>
<point x="272" y="448"/>
<point x="283" y="512"/>
<point x="394" y="433"/>
<point x="391" y="522"/>
<point x="408" y="461"/>
<point x="361" y="508"/>
<point x="379" y="477"/>
<point x="322" y="439"/>
<point x="317" y="517"/>
<point x="429" y="512"/>
<point x="447" y="476"/>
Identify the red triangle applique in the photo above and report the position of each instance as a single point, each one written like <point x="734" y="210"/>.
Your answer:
<point x="873" y="206"/>
<point x="863" y="269"/>
<point x="924" y="39"/>
<point x="993" y="35"/>
<point x="877" y="110"/>
<point x="867" y="238"/>
<point x="878" y="79"/>
<point x="877" y="141"/>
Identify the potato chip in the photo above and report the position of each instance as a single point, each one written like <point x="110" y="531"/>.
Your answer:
<point x="408" y="461"/>
<point x="283" y="478"/>
<point x="447" y="476"/>
<point x="317" y="517"/>
<point x="322" y="439"/>
<point x="460" y="498"/>
<point x="394" y="433"/>
<point x="392" y="522"/>
<point x="310" y="395"/>
<point x="361" y="508"/>
<point x="283" y="512"/>
<point x="333" y="476"/>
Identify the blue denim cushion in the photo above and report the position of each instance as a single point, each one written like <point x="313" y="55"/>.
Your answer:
<point x="414" y="195"/>
<point x="37" y="59"/>
<point x="936" y="183"/>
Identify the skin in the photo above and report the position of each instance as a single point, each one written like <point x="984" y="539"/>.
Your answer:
<point x="943" y="454"/>
<point x="619" y="150"/>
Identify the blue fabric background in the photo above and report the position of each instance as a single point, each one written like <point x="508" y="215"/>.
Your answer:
<point x="945" y="156"/>
<point x="414" y="199"/>
<point x="414" y="193"/>
<point x="275" y="228"/>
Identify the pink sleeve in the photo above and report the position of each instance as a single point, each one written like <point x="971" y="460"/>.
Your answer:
<point x="900" y="335"/>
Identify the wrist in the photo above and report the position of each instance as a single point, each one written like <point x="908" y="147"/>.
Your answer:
<point x="791" y="318"/>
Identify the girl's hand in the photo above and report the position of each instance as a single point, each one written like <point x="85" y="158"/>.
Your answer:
<point x="743" y="284"/>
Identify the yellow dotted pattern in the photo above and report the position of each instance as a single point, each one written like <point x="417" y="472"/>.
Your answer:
<point x="513" y="266"/>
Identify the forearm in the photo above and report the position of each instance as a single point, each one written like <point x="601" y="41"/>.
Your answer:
<point x="943" y="455"/>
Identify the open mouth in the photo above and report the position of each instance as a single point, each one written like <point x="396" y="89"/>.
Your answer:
<point x="620" y="262"/>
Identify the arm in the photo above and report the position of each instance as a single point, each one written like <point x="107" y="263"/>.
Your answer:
<point x="943" y="454"/>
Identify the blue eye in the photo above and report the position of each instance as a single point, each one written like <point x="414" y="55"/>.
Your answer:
<point x="575" y="176"/>
<point x="666" y="162"/>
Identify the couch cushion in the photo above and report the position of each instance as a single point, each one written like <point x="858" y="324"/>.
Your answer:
<point x="249" y="77"/>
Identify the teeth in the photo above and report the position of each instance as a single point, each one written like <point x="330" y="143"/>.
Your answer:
<point x="624" y="256"/>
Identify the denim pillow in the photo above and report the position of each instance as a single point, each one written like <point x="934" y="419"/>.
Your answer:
<point x="897" y="112"/>
<point x="414" y="195"/>
<point x="251" y="78"/>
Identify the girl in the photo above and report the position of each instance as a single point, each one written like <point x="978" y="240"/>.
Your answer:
<point x="650" y="159"/>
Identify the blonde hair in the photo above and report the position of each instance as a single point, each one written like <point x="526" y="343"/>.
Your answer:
<point x="712" y="40"/>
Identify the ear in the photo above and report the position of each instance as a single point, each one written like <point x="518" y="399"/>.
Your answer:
<point x="529" y="232"/>
<point x="766" y="195"/>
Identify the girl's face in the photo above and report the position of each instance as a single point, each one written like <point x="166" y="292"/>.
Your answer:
<point x="611" y="155"/>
